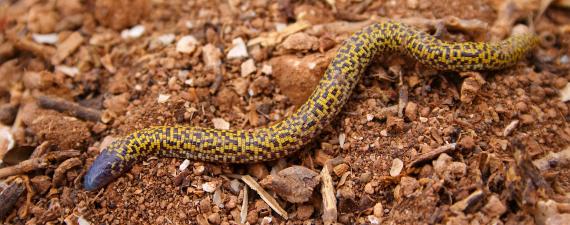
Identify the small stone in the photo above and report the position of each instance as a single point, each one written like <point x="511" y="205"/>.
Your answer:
<point x="526" y="119"/>
<point x="395" y="123"/>
<point x="456" y="170"/>
<point x="300" y="42"/>
<point x="120" y="14"/>
<point x="467" y="143"/>
<point x="162" y="98"/>
<point x="214" y="218"/>
<point x="365" y="177"/>
<point x="184" y="165"/>
<point x="248" y="67"/>
<point x="267" y="69"/>
<point x="440" y="165"/>
<point x="185" y="199"/>
<point x="378" y="210"/>
<point x="341" y="169"/>
<point x="560" y="82"/>
<point x="305" y="211"/>
<point x="470" y="86"/>
<point x="235" y="186"/>
<point x="209" y="187"/>
<point x="212" y="56"/>
<point x="397" y="166"/>
<point x="294" y="184"/>
<point x="258" y="170"/>
<point x="187" y="44"/>
<point x="341" y="139"/>
<point x="198" y="169"/>
<point x="373" y="219"/>
<point x="239" y="50"/>
<point x="408" y="186"/>
<point x="67" y="70"/>
<point x="220" y="123"/>
<point x="133" y="33"/>
<point x="411" y="111"/>
<point x="45" y="38"/>
<point x="369" y="188"/>
<point x="166" y="39"/>
<point x="494" y="207"/>
<point x="205" y="205"/>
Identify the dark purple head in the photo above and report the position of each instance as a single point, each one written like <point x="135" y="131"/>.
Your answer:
<point x="110" y="164"/>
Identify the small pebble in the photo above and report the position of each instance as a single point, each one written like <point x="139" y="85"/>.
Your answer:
<point x="134" y="32"/>
<point x="408" y="185"/>
<point x="209" y="187"/>
<point x="239" y="50"/>
<point x="166" y="39"/>
<point x="397" y="166"/>
<point x="220" y="123"/>
<point x="248" y="67"/>
<point x="184" y="165"/>
<point x="45" y="38"/>
<point x="162" y="98"/>
<point x="186" y="44"/>
<point x="378" y="210"/>
<point x="494" y="207"/>
<point x="214" y="218"/>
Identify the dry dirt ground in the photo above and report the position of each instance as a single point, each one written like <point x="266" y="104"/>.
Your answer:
<point x="412" y="146"/>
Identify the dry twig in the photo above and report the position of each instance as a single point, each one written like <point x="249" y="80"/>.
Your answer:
<point x="72" y="108"/>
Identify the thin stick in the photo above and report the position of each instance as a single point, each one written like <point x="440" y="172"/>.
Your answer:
<point x="62" y="105"/>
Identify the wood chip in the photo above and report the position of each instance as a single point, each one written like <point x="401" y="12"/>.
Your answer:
<point x="67" y="47"/>
<point x="244" y="204"/>
<point x="264" y="195"/>
<point x="510" y="128"/>
<point x="330" y="212"/>
<point x="428" y="156"/>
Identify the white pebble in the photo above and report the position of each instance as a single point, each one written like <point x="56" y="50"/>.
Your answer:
<point x="68" y="70"/>
<point x="341" y="139"/>
<point x="82" y="221"/>
<point x="397" y="166"/>
<point x="248" y="67"/>
<point x="184" y="165"/>
<point x="220" y="123"/>
<point x="186" y="44"/>
<point x="369" y="117"/>
<point x="209" y="187"/>
<point x="564" y="59"/>
<point x="162" y="98"/>
<point x="134" y="32"/>
<point x="267" y="69"/>
<point x="166" y="39"/>
<point x="239" y="50"/>
<point x="45" y="38"/>
<point x="373" y="219"/>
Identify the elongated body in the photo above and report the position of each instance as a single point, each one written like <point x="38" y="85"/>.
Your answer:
<point x="333" y="90"/>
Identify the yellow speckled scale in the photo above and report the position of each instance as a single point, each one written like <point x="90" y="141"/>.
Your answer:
<point x="333" y="90"/>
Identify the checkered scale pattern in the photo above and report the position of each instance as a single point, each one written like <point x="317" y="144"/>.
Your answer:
<point x="333" y="90"/>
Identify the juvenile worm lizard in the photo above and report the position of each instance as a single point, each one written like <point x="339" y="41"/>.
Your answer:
<point x="333" y="90"/>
